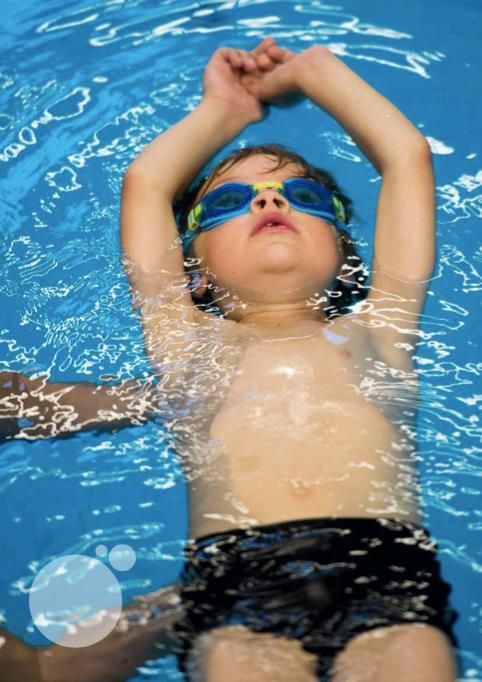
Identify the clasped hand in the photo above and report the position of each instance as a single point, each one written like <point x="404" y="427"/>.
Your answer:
<point x="247" y="80"/>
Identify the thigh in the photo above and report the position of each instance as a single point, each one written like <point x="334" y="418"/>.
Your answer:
<point x="234" y="653"/>
<point x="397" y="652"/>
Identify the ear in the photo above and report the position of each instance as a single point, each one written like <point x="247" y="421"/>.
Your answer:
<point x="198" y="283"/>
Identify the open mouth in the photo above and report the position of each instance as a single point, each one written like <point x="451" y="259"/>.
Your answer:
<point x="273" y="222"/>
<point x="275" y="227"/>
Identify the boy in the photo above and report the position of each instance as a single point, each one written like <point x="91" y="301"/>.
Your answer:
<point x="307" y="555"/>
<point x="293" y="449"/>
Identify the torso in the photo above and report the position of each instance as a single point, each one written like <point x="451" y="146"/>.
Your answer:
<point x="281" y="427"/>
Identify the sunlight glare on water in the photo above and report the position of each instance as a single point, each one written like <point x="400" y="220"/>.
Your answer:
<point x="82" y="91"/>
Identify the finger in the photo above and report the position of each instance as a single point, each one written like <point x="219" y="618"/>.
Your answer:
<point x="263" y="45"/>
<point x="265" y="62"/>
<point x="269" y="54"/>
<point x="248" y="61"/>
<point x="231" y="55"/>
<point x="238" y="59"/>
<point x="279" y="54"/>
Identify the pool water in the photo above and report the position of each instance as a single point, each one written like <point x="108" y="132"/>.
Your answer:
<point x="83" y="87"/>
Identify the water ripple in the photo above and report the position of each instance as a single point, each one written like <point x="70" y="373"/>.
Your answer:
<point x="84" y="90"/>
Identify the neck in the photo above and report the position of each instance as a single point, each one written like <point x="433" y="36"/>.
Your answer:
<point x="283" y="319"/>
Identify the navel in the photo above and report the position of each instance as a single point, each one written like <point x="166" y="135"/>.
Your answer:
<point x="300" y="487"/>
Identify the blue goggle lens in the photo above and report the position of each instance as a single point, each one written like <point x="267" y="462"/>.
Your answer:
<point x="230" y="199"/>
<point x="305" y="195"/>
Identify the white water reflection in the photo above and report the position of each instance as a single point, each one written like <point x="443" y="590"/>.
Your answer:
<point x="397" y="58"/>
<point x="457" y="198"/>
<point x="66" y="303"/>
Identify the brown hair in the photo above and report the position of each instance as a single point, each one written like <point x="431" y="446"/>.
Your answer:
<point x="350" y="287"/>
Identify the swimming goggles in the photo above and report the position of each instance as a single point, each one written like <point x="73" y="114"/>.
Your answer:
<point x="233" y="199"/>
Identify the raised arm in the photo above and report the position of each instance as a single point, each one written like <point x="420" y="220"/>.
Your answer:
<point x="167" y="166"/>
<point x="404" y="245"/>
<point x="404" y="230"/>
<point x="162" y="172"/>
<point x="35" y="408"/>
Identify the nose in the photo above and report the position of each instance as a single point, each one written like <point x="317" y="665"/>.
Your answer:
<point x="267" y="198"/>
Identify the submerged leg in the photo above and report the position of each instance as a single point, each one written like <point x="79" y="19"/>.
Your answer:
<point x="399" y="653"/>
<point x="235" y="654"/>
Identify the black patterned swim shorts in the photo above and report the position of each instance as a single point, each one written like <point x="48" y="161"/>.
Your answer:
<point x="320" y="581"/>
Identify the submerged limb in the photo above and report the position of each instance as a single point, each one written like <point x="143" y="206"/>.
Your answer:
<point x="18" y="661"/>
<point x="398" y="653"/>
<point x="234" y="653"/>
<point x="36" y="408"/>
<point x="143" y="631"/>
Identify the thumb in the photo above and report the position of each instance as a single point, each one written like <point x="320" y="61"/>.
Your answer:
<point x="250" y="83"/>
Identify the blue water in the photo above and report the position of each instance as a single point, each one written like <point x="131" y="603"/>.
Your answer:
<point x="83" y="87"/>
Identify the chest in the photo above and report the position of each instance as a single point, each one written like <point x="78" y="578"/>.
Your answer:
<point x="318" y="382"/>
<point x="289" y="377"/>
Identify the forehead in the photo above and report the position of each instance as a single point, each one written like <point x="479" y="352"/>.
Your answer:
<point x="252" y="170"/>
<point x="259" y="164"/>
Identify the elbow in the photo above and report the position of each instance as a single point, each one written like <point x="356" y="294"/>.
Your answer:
<point x="131" y="174"/>
<point x="137" y="174"/>
<point x="418" y="147"/>
<point x="413" y="152"/>
<point x="132" y="177"/>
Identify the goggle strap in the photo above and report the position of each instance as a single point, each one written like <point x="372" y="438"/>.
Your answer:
<point x="194" y="218"/>
<point x="339" y="209"/>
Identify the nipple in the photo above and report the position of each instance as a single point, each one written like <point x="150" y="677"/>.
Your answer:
<point x="300" y="487"/>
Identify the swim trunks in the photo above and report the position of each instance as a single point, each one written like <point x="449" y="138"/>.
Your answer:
<point x="320" y="581"/>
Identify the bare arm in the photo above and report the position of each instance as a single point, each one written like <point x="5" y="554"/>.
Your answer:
<point x="36" y="408"/>
<point x="404" y="244"/>
<point x="166" y="167"/>
<point x="161" y="172"/>
<point x="404" y="231"/>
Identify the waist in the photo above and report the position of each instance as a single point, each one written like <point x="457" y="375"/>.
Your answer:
<point x="224" y="505"/>
<point x="333" y="524"/>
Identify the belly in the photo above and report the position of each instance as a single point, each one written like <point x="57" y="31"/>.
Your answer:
<point x="295" y="461"/>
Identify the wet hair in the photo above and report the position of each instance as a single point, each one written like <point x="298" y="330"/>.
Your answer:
<point x="350" y="283"/>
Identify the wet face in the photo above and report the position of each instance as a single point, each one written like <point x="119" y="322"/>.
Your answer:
<point x="269" y="266"/>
